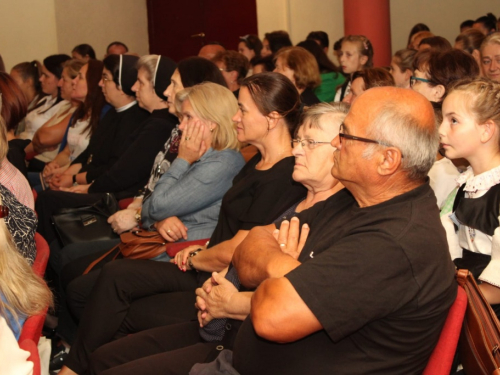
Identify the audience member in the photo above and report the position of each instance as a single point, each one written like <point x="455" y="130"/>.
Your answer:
<point x="49" y="105"/>
<point x="81" y="82"/>
<point x="209" y="50"/>
<point x="22" y="293"/>
<point x="321" y="38"/>
<point x="466" y="25"/>
<point x="470" y="130"/>
<point x="331" y="77"/>
<point x="356" y="54"/>
<point x="417" y="38"/>
<point x="435" y="73"/>
<point x="337" y="47"/>
<point x="300" y="67"/>
<point x="435" y="43"/>
<point x="13" y="107"/>
<point x="324" y="299"/>
<point x="414" y="30"/>
<point x="234" y="67"/>
<point x="116" y="48"/>
<point x="250" y="46"/>
<point x="27" y="76"/>
<point x="263" y="64"/>
<point x="83" y="52"/>
<point x="490" y="56"/>
<point x="402" y="67"/>
<point x="274" y="41"/>
<point x="366" y="79"/>
<point x="486" y="24"/>
<point x="470" y="41"/>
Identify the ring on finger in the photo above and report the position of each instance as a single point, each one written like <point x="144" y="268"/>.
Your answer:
<point x="168" y="231"/>
<point x="187" y="138"/>
<point x="282" y="244"/>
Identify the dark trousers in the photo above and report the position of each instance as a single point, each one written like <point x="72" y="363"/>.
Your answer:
<point x="120" y="285"/>
<point x="172" y="349"/>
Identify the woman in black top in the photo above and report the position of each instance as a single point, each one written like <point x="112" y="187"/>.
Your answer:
<point x="269" y="112"/>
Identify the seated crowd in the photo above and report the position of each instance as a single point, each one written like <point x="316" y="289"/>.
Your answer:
<point x="308" y="218"/>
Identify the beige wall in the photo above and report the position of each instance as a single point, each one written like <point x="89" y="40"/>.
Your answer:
<point x="27" y="29"/>
<point x="442" y="16"/>
<point x="34" y="29"/>
<point x="100" y="22"/>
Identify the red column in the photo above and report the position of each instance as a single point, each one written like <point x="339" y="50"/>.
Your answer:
<point x="371" y="18"/>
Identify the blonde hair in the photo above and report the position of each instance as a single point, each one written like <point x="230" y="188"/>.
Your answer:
<point x="304" y="65"/>
<point x="483" y="98"/>
<point x="22" y="291"/>
<point x="490" y="39"/>
<point x="214" y="103"/>
<point x="73" y="67"/>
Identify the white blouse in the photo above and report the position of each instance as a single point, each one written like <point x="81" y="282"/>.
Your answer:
<point x="78" y="140"/>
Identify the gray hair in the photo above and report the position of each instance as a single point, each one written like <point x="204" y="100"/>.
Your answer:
<point x="313" y="114"/>
<point x="149" y="63"/>
<point x="400" y="129"/>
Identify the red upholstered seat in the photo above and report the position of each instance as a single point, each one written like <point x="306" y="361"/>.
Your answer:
<point x="123" y="203"/>
<point x="442" y="357"/>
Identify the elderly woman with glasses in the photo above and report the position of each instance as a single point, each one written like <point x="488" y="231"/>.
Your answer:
<point x="435" y="73"/>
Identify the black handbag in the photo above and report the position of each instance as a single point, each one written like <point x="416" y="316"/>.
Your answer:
<point x="89" y="223"/>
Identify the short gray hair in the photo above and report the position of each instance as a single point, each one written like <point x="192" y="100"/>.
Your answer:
<point x="418" y="144"/>
<point x="313" y="114"/>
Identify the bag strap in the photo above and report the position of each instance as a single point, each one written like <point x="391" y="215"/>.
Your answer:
<point x="92" y="265"/>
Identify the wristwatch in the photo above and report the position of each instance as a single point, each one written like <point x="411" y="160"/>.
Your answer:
<point x="194" y="253"/>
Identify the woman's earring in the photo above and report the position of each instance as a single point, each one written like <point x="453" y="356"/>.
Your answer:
<point x="211" y="130"/>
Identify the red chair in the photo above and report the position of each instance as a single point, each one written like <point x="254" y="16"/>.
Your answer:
<point x="174" y="247"/>
<point x="42" y="255"/>
<point x="34" y="357"/>
<point x="442" y="357"/>
<point x="123" y="203"/>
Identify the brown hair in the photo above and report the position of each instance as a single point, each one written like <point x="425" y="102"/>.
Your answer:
<point x="447" y="67"/>
<point x="304" y="66"/>
<point x="234" y="61"/>
<point x="31" y="70"/>
<point x="470" y="39"/>
<point x="375" y="77"/>
<point x="14" y="103"/>
<point x="418" y="37"/>
<point x="437" y="43"/>
<point x="405" y="59"/>
<point x="94" y="100"/>
<point x="273" y="92"/>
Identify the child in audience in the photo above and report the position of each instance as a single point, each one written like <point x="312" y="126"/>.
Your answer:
<point x="355" y="55"/>
<point x="471" y="130"/>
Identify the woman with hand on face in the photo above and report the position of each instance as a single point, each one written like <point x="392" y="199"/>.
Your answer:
<point x="356" y="54"/>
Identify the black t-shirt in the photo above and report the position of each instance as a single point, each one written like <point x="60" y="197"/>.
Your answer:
<point x="380" y="281"/>
<point x="257" y="198"/>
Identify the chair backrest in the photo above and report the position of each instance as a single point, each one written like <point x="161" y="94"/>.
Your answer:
<point x="34" y="357"/>
<point x="442" y="357"/>
<point x="42" y="255"/>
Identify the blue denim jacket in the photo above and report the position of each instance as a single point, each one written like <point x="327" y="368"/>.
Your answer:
<point x="194" y="192"/>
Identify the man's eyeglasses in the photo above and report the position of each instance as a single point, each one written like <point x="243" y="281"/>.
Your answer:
<point x="311" y="144"/>
<point x="414" y="80"/>
<point x="360" y="139"/>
